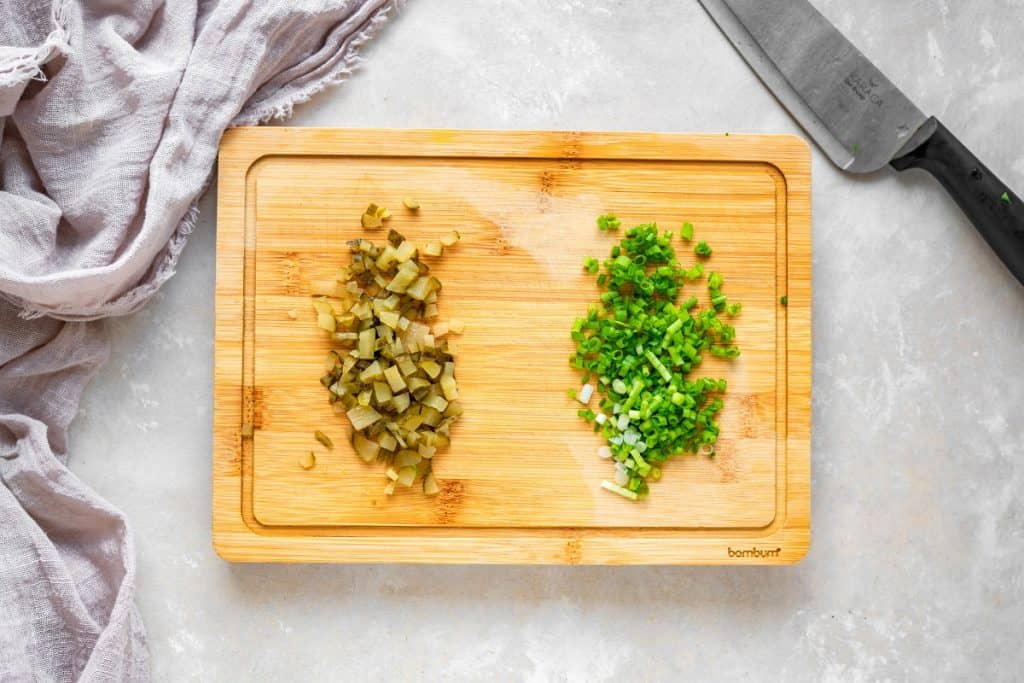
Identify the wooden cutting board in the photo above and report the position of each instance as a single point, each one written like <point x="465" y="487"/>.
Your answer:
<point x="520" y="482"/>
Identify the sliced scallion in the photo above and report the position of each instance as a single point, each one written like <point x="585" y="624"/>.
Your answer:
<point x="642" y="347"/>
<point x="615" y="488"/>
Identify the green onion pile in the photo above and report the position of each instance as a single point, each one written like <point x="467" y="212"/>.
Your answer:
<point x="639" y="347"/>
<point x="394" y="373"/>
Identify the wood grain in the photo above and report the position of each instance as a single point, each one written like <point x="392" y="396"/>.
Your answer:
<point x="520" y="481"/>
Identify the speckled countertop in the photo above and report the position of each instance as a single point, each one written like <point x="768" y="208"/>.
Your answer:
<point x="916" y="569"/>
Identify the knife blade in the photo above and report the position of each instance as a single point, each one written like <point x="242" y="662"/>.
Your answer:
<point x="858" y="117"/>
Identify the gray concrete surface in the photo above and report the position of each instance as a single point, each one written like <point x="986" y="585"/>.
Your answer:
<point x="915" y="571"/>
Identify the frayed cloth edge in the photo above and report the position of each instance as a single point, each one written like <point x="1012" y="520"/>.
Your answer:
<point x="26" y="64"/>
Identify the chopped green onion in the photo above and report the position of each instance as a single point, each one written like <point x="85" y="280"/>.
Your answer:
<point x="615" y="488"/>
<point x="784" y="300"/>
<point x="608" y="222"/>
<point x="642" y="347"/>
<point x="687" y="232"/>
<point x="702" y="249"/>
<point x="659" y="366"/>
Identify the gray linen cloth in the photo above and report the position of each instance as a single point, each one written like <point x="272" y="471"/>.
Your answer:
<point x="110" y="116"/>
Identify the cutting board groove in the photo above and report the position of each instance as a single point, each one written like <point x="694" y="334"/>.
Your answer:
<point x="520" y="481"/>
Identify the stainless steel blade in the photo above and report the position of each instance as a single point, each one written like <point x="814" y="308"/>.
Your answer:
<point x="855" y="114"/>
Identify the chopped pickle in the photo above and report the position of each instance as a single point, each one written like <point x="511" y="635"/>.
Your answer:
<point x="449" y="388"/>
<point x="391" y="369"/>
<point x="405" y="251"/>
<point x="407" y="458"/>
<point x="364" y="447"/>
<point x="394" y="378"/>
<point x="362" y="417"/>
<point x="400" y="403"/>
<point x="382" y="392"/>
<point x="406" y="476"/>
<point x="430" y="486"/>
<point x="324" y="439"/>
<point x="387" y="442"/>
<point x="326" y="321"/>
<point x="431" y="368"/>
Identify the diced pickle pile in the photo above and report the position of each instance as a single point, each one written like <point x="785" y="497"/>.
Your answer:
<point x="393" y="374"/>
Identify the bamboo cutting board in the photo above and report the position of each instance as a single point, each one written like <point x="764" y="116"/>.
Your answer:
<point x="520" y="482"/>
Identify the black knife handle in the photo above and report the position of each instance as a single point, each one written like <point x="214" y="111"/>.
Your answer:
<point x="995" y="210"/>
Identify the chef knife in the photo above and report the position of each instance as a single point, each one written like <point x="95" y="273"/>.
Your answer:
<point x="858" y="117"/>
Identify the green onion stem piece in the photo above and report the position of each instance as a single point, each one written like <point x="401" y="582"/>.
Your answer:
<point x="615" y="488"/>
